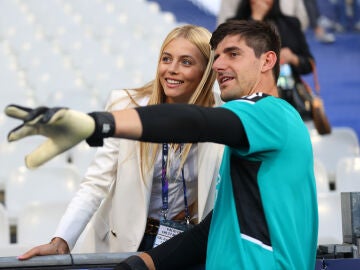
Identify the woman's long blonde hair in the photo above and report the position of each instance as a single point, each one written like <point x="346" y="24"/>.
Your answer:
<point x="203" y="95"/>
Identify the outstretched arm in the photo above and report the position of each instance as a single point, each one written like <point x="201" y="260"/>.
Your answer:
<point x="179" y="123"/>
<point x="173" y="123"/>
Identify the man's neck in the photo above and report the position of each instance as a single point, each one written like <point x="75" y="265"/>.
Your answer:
<point x="269" y="89"/>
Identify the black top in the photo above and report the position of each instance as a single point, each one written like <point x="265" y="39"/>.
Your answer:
<point x="291" y="36"/>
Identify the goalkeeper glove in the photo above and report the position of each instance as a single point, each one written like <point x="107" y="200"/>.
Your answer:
<point x="63" y="127"/>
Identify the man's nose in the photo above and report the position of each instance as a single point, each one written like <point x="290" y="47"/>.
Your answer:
<point x="218" y="64"/>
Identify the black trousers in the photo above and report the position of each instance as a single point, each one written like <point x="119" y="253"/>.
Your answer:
<point x="147" y="242"/>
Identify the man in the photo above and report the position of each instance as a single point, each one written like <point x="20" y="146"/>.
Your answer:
<point x="265" y="215"/>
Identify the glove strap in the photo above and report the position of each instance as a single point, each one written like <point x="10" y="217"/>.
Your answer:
<point x="132" y="263"/>
<point x="104" y="128"/>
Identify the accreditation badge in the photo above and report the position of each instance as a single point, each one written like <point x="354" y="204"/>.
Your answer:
<point x="170" y="228"/>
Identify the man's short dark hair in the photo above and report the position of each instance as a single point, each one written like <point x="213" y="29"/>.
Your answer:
<point x="260" y="36"/>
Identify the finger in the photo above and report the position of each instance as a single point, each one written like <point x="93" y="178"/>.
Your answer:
<point x="30" y="128"/>
<point x="36" y="113"/>
<point x="26" y="114"/>
<point x="20" y="132"/>
<point x="53" y="114"/>
<point x="37" y="251"/>
<point x="29" y="254"/>
<point x="43" y="115"/>
<point x="45" y="152"/>
<point x="16" y="111"/>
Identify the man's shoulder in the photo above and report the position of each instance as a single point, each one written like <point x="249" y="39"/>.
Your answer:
<point x="259" y="102"/>
<point x="253" y="98"/>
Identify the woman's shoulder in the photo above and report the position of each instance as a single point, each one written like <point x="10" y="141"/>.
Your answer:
<point x="125" y="98"/>
<point x="291" y="20"/>
<point x="289" y="27"/>
<point x="118" y="93"/>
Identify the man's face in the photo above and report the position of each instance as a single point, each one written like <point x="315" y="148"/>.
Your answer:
<point x="238" y="69"/>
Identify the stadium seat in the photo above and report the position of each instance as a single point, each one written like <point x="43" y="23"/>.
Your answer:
<point x="45" y="185"/>
<point x="81" y="156"/>
<point x="12" y="154"/>
<point x="322" y="181"/>
<point x="37" y="222"/>
<point x="330" y="219"/>
<point x="348" y="174"/>
<point x="4" y="227"/>
<point x="329" y="149"/>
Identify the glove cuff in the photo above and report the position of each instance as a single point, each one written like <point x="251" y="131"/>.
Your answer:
<point x="132" y="263"/>
<point x="104" y="128"/>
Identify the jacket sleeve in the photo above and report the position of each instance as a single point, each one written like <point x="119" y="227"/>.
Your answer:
<point x="293" y="37"/>
<point x="94" y="187"/>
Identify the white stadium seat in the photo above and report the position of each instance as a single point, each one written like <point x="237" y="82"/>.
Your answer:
<point x="45" y="185"/>
<point x="37" y="222"/>
<point x="348" y="174"/>
<point x="321" y="177"/>
<point x="4" y="227"/>
<point x="330" y="219"/>
<point x="329" y="149"/>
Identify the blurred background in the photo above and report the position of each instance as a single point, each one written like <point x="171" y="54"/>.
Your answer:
<point x="74" y="52"/>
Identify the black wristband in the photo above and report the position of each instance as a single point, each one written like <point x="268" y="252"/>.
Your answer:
<point x="104" y="127"/>
<point x="132" y="263"/>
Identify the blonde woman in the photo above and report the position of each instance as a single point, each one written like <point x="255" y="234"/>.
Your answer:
<point x="121" y="199"/>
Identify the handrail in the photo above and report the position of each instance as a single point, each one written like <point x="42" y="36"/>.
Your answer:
<point x="66" y="261"/>
<point x="107" y="261"/>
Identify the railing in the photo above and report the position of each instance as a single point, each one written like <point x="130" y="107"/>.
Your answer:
<point x="75" y="261"/>
<point x="107" y="261"/>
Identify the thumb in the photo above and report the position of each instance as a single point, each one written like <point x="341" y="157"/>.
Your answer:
<point x="43" y="153"/>
<point x="20" y="132"/>
<point x="64" y="129"/>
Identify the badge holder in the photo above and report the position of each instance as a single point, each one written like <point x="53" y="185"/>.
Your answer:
<point x="170" y="228"/>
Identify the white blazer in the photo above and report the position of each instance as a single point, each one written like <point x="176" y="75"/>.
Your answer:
<point x="110" y="208"/>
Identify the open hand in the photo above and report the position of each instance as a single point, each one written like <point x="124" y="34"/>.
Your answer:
<point x="56" y="246"/>
<point x="63" y="127"/>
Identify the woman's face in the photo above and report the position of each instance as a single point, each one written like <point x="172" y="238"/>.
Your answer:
<point x="261" y="5"/>
<point x="180" y="70"/>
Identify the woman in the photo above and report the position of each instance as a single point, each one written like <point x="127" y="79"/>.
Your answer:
<point x="123" y="185"/>
<point x="295" y="50"/>
<point x="294" y="47"/>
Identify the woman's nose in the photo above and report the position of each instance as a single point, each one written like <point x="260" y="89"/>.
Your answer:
<point x="173" y="68"/>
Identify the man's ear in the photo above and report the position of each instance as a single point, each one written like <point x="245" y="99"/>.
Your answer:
<point x="270" y="59"/>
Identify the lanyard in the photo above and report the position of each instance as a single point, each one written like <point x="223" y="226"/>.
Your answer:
<point x="165" y="185"/>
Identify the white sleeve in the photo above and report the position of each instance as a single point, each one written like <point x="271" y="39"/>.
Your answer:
<point x="96" y="184"/>
<point x="93" y="189"/>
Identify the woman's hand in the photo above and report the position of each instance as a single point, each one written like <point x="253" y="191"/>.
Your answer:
<point x="288" y="57"/>
<point x="56" y="246"/>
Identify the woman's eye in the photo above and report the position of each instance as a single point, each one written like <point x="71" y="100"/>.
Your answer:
<point x="187" y="62"/>
<point x="165" y="59"/>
